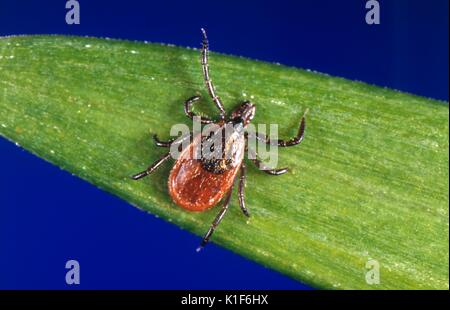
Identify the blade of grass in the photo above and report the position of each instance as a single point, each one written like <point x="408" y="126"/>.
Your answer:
<point x="370" y="180"/>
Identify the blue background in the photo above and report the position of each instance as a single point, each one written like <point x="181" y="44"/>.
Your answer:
<point x="48" y="216"/>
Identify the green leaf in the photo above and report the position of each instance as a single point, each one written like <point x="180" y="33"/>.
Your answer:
<point x="369" y="182"/>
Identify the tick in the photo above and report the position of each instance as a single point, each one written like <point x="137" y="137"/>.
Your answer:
<point x="197" y="184"/>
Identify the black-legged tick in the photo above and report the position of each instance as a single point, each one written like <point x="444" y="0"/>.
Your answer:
<point x="199" y="184"/>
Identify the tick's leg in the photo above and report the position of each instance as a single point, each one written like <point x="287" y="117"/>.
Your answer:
<point x="267" y="170"/>
<point x="178" y="140"/>
<point x="241" y="191"/>
<point x="152" y="167"/>
<point x="162" y="143"/>
<point x="188" y="110"/>
<point x="217" y="220"/>
<point x="260" y="165"/>
<point x="208" y="81"/>
<point x="283" y="143"/>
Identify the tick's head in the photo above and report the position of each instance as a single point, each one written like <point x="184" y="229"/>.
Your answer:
<point x="244" y="113"/>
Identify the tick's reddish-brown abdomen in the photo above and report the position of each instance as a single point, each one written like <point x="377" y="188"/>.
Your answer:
<point x="194" y="188"/>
